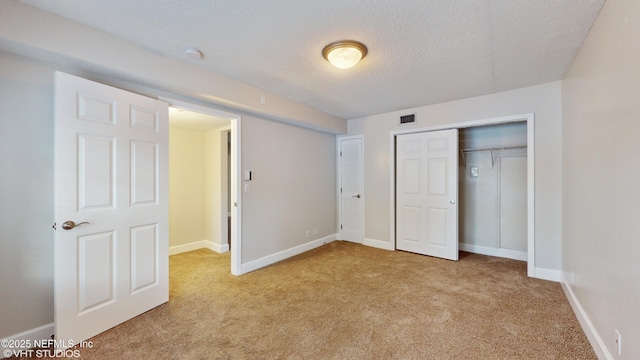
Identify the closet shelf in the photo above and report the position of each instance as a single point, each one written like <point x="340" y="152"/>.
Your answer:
<point x="493" y="150"/>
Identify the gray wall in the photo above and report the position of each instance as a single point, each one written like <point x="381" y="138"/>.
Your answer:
<point x="293" y="188"/>
<point x="543" y="100"/>
<point x="601" y="203"/>
<point x="26" y="195"/>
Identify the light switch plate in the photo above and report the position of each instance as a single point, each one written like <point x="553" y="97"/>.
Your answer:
<point x="474" y="171"/>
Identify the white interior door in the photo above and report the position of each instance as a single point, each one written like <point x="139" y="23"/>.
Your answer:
<point x="351" y="188"/>
<point x="427" y="193"/>
<point x="111" y="171"/>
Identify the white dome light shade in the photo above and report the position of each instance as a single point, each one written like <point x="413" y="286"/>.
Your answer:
<point x="344" y="54"/>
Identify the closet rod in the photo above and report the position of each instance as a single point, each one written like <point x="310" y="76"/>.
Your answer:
<point x="493" y="149"/>
<point x="464" y="159"/>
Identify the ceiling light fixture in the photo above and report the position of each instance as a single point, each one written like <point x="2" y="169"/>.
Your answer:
<point x="193" y="53"/>
<point x="344" y="54"/>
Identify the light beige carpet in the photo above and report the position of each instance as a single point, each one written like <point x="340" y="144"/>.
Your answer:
<point x="348" y="301"/>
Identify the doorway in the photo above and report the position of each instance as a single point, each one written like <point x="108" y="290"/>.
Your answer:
<point x="197" y="181"/>
<point x="527" y="119"/>
<point x="219" y="201"/>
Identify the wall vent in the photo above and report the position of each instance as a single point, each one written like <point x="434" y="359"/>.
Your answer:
<point x="407" y="119"/>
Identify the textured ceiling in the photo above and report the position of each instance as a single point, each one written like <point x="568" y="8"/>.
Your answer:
<point x="421" y="52"/>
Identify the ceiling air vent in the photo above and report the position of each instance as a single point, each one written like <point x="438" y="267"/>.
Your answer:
<point x="407" y="119"/>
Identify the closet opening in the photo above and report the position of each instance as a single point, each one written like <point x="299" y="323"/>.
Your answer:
<point x="465" y="186"/>
<point x="492" y="190"/>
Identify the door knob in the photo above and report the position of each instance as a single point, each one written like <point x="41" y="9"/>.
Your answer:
<point x="452" y="202"/>
<point x="68" y="225"/>
<point x="356" y="196"/>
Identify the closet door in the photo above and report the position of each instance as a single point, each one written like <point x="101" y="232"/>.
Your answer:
<point x="427" y="193"/>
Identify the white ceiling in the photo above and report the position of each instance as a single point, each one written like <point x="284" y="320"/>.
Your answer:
<point x="421" y="52"/>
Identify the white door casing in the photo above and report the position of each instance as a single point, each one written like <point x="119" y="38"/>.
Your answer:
<point x="351" y="188"/>
<point x="427" y="193"/>
<point x="111" y="170"/>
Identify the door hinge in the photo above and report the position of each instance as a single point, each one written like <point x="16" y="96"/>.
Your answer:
<point x="55" y="227"/>
<point x="340" y="226"/>
<point x="340" y="153"/>
<point x="340" y="190"/>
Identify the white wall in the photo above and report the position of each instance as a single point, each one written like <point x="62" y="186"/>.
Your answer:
<point x="543" y="100"/>
<point x="26" y="195"/>
<point x="187" y="201"/>
<point x="601" y="147"/>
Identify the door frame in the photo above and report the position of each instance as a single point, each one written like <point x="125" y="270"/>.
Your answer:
<point x="530" y="120"/>
<point x="236" y="198"/>
<point x="339" y="140"/>
<point x="225" y="177"/>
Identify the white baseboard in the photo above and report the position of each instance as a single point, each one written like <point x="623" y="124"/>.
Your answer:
<point x="547" y="274"/>
<point x="218" y="248"/>
<point x="596" y="341"/>
<point x="499" y="252"/>
<point x="43" y="332"/>
<point x="386" y="245"/>
<point x="202" y="244"/>
<point x="285" y="254"/>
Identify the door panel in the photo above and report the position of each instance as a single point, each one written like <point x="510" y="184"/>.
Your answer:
<point x="96" y="173"/>
<point x="351" y="189"/>
<point x="96" y="270"/>
<point x="144" y="256"/>
<point x="438" y="179"/>
<point x="111" y="171"/>
<point x="427" y="192"/>
<point x="437" y="227"/>
<point x="144" y="173"/>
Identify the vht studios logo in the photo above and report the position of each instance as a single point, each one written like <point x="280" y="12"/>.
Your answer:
<point x="43" y="353"/>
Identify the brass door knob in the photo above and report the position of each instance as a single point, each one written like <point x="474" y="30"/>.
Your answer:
<point x="68" y="225"/>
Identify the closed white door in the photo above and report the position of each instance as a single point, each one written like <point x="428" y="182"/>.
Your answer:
<point x="351" y="188"/>
<point x="427" y="193"/>
<point x="111" y="177"/>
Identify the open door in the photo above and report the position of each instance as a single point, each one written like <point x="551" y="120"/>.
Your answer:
<point x="427" y="193"/>
<point x="111" y="207"/>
